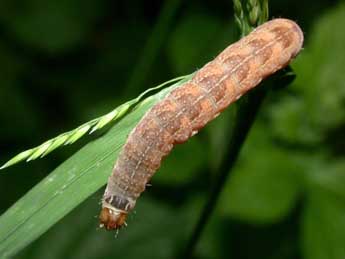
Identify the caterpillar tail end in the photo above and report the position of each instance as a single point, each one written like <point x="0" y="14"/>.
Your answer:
<point x="112" y="219"/>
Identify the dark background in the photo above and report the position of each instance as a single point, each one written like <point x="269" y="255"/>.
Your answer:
<point x="65" y="62"/>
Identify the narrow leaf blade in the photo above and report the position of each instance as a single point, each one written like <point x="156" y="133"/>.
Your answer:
<point x="67" y="186"/>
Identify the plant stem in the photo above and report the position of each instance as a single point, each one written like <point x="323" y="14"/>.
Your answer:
<point x="244" y="120"/>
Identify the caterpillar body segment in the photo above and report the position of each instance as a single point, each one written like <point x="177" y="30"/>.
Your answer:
<point x="188" y="108"/>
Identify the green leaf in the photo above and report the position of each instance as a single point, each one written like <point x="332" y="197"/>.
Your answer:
<point x="318" y="103"/>
<point x="327" y="175"/>
<point x="265" y="184"/>
<point x="67" y="186"/>
<point x="290" y="123"/>
<point x="323" y="226"/>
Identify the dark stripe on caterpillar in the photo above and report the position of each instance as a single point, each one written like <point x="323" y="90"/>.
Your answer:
<point x="191" y="106"/>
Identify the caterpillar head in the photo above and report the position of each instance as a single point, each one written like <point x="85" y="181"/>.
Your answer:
<point x="112" y="219"/>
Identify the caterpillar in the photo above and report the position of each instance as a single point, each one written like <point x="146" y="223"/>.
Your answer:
<point x="188" y="108"/>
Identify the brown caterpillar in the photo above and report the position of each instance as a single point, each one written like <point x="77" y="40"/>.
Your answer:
<point x="188" y="108"/>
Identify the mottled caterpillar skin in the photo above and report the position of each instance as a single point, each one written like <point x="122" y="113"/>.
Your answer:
<point x="188" y="108"/>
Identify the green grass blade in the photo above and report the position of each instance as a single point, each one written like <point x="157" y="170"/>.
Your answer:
<point x="68" y="185"/>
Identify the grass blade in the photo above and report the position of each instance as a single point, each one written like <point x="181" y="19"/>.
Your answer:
<point x="68" y="185"/>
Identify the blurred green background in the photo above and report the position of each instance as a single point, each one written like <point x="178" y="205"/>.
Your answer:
<point x="65" y="62"/>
